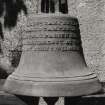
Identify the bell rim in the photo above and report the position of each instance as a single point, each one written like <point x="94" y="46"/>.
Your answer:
<point x="88" y="76"/>
<point x="48" y="88"/>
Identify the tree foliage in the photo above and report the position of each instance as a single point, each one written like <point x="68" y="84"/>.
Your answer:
<point x="9" y="10"/>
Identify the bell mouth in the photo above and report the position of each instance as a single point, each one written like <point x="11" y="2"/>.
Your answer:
<point x="67" y="87"/>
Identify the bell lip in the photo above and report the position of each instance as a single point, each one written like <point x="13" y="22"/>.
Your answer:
<point x="52" y="89"/>
<point x="87" y="76"/>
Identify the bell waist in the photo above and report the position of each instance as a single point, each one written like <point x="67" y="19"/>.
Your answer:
<point x="51" y="34"/>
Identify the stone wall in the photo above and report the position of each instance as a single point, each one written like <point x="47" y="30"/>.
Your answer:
<point x="91" y="15"/>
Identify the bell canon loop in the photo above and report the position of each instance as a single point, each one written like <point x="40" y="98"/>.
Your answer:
<point x="52" y="61"/>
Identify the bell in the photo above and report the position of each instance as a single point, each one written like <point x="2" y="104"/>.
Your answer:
<point x="52" y="61"/>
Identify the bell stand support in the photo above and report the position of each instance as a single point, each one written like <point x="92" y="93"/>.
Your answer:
<point x="29" y="100"/>
<point x="51" y="100"/>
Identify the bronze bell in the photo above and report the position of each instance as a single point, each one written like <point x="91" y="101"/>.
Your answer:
<point x="52" y="61"/>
